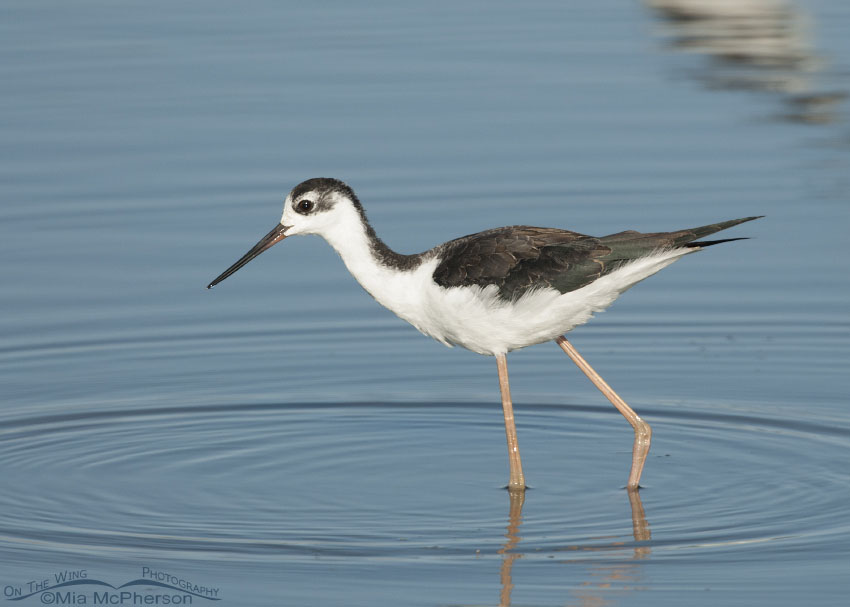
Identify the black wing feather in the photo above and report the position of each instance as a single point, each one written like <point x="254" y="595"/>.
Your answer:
<point x="519" y="258"/>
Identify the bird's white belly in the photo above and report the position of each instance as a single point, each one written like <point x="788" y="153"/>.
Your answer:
<point x="479" y="320"/>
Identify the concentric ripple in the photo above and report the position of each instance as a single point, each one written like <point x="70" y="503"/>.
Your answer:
<point x="273" y="482"/>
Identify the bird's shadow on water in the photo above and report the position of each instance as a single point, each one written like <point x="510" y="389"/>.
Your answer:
<point x="601" y="577"/>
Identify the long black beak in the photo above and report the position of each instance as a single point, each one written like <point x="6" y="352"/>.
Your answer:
<point x="277" y="234"/>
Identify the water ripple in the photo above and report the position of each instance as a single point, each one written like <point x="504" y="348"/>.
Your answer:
<point x="418" y="480"/>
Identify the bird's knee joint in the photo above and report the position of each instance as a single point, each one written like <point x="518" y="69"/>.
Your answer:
<point x="643" y="433"/>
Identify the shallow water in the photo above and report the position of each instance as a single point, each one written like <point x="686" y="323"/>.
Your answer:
<point x="284" y="440"/>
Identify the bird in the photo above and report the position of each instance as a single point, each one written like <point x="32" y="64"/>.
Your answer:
<point x="494" y="291"/>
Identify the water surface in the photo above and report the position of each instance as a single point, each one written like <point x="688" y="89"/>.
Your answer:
<point x="285" y="440"/>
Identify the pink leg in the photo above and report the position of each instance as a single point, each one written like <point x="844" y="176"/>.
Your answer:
<point x="517" y="479"/>
<point x="643" y="433"/>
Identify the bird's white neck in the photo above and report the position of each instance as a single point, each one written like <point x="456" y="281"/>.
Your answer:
<point x="381" y="271"/>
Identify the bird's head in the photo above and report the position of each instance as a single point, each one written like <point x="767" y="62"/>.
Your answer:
<point x="321" y="206"/>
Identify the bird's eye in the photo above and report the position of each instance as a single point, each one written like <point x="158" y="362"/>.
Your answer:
<point x="304" y="206"/>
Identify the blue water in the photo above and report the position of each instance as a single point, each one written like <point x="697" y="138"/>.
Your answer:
<point x="285" y="440"/>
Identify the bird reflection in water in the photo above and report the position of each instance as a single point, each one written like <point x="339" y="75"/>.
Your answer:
<point x="605" y="576"/>
<point x="508" y="556"/>
<point x="759" y="45"/>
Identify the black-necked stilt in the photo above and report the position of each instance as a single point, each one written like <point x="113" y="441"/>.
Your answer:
<point x="494" y="291"/>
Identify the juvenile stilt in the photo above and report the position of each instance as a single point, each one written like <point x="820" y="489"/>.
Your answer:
<point x="517" y="479"/>
<point x="643" y="433"/>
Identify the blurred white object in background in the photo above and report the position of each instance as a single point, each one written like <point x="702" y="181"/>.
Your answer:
<point x="761" y="45"/>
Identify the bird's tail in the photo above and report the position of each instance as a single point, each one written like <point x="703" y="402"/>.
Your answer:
<point x="707" y="243"/>
<point x="631" y="244"/>
<point x="687" y="237"/>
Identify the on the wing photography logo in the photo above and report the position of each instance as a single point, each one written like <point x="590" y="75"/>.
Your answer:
<point x="77" y="587"/>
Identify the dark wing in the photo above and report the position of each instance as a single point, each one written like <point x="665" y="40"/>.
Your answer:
<point x="519" y="258"/>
